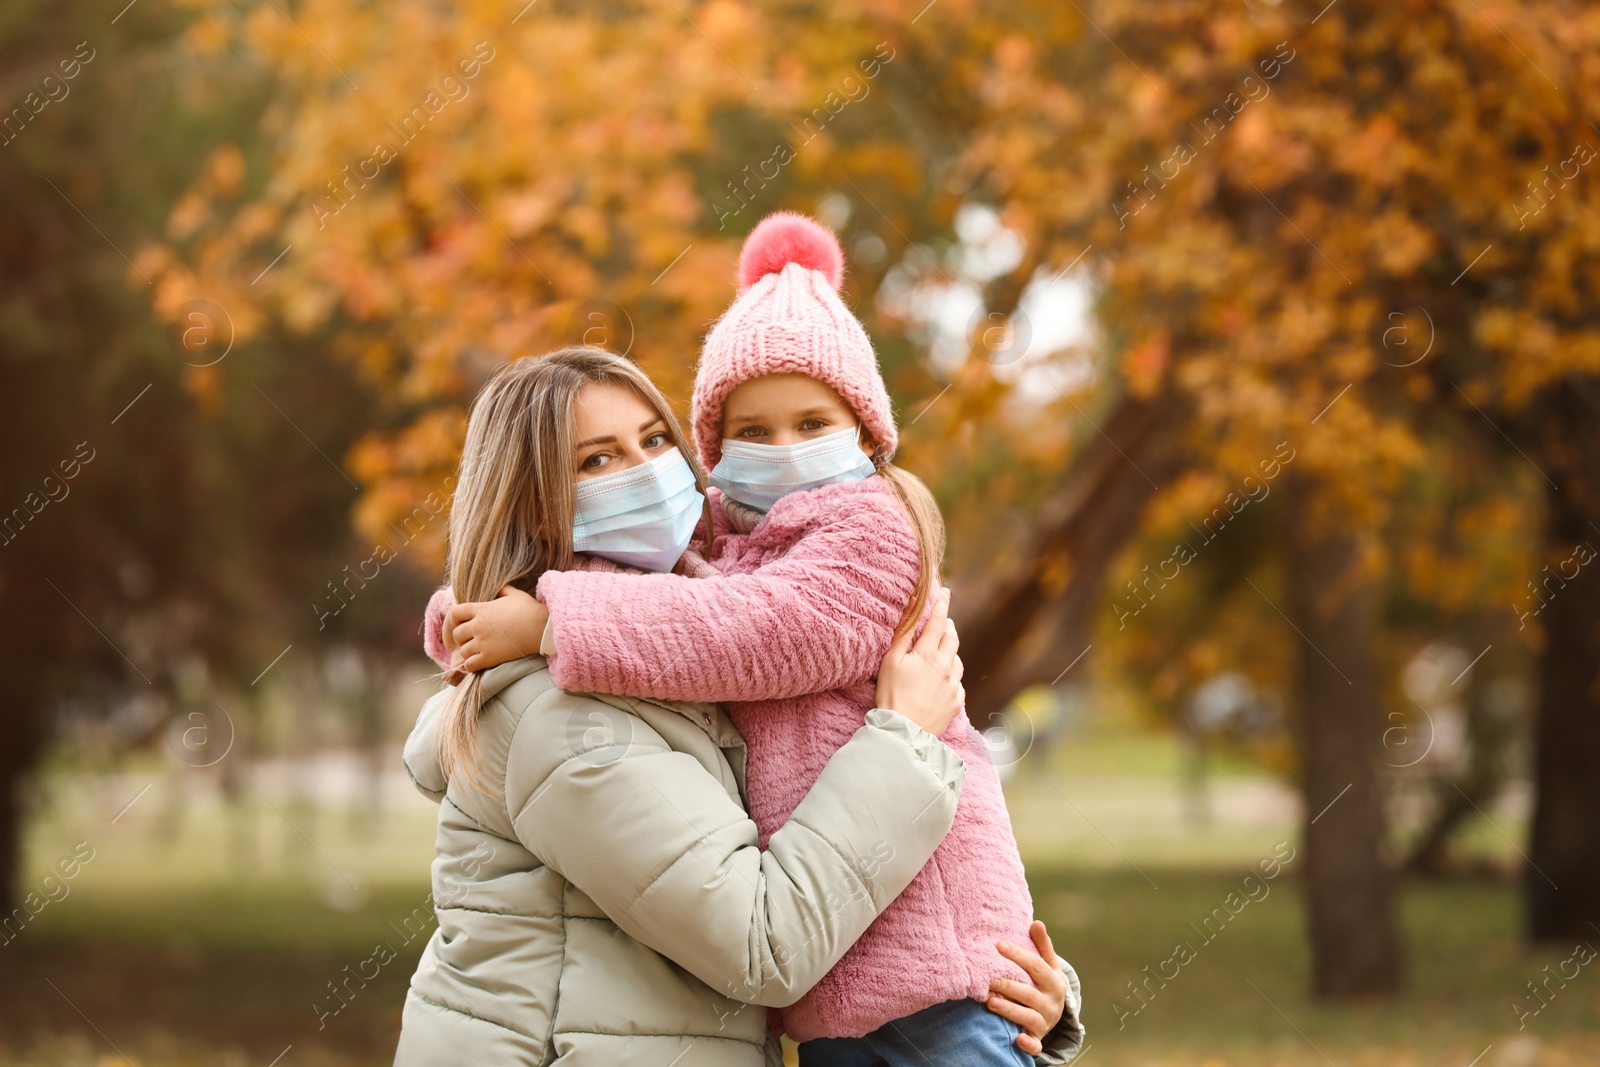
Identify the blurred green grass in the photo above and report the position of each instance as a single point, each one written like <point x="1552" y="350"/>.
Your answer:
<point x="231" y="974"/>
<point x="204" y="933"/>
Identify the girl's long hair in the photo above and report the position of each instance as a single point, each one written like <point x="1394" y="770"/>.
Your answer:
<point x="928" y="524"/>
<point x="514" y="500"/>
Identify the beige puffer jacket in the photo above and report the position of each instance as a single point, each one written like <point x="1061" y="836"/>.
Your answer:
<point x="601" y="899"/>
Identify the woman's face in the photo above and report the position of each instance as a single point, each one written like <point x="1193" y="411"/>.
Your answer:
<point x="614" y="429"/>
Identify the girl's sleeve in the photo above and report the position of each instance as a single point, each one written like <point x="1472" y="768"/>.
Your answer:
<point x="439" y="606"/>
<point x="817" y="618"/>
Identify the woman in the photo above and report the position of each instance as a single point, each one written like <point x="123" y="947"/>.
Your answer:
<point x="600" y="895"/>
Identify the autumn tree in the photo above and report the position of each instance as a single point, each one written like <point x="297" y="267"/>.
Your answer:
<point x="1253" y="194"/>
<point x="171" y="521"/>
<point x="1272" y="191"/>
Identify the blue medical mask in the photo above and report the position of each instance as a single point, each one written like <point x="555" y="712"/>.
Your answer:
<point x="642" y="517"/>
<point x="758" y="476"/>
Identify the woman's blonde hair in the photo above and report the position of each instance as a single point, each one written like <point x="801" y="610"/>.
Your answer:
<point x="512" y="515"/>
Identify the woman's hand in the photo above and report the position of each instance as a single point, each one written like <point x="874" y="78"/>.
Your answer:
<point x="493" y="632"/>
<point x="923" y="681"/>
<point x="1038" y="1007"/>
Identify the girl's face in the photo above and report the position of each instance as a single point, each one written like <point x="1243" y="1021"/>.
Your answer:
<point x="786" y="409"/>
<point x="614" y="429"/>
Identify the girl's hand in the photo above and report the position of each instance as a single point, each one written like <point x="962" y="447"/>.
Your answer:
<point x="493" y="632"/>
<point x="1038" y="1007"/>
<point x="923" y="681"/>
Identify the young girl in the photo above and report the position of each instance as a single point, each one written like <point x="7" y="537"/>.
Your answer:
<point x="823" y="553"/>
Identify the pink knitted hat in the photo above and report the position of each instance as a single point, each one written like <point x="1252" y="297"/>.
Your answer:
<point x="788" y="319"/>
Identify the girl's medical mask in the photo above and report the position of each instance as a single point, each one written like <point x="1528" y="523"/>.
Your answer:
<point x="759" y="475"/>
<point x="642" y="517"/>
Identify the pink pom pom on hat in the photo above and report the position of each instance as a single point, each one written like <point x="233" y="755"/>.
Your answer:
<point x="788" y="319"/>
<point x="784" y="238"/>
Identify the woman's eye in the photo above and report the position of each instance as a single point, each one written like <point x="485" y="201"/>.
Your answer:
<point x="656" y="440"/>
<point x="594" y="462"/>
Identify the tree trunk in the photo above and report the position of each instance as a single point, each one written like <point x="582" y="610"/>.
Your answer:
<point x="1562" y="881"/>
<point x="1079" y="529"/>
<point x="1491" y="737"/>
<point x="30" y="614"/>
<point x="19" y="718"/>
<point x="1355" y="945"/>
<point x="13" y="775"/>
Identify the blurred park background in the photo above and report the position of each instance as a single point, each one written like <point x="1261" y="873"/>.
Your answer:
<point x="1251" y="347"/>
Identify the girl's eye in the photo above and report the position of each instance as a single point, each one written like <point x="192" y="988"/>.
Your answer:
<point x="752" y="432"/>
<point x="813" y="424"/>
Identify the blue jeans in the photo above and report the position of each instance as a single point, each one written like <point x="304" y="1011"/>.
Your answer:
<point x="957" y="1033"/>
